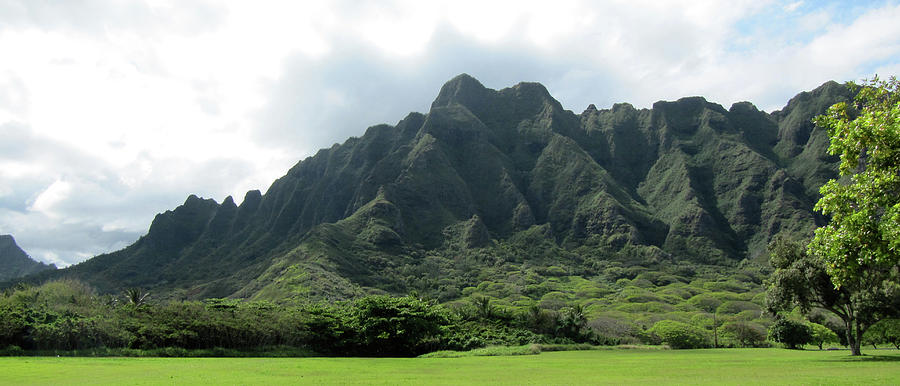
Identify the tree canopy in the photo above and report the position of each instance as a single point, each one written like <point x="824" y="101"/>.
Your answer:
<point x="791" y="333"/>
<point x="801" y="280"/>
<point x="861" y="243"/>
<point x="850" y="268"/>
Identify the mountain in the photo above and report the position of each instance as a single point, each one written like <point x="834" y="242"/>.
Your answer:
<point x="493" y="186"/>
<point x="14" y="262"/>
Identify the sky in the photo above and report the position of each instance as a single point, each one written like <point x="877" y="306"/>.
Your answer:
<point x="114" y="111"/>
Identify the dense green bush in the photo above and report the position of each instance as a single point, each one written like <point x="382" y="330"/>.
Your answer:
<point x="743" y="334"/>
<point x="390" y="326"/>
<point x="885" y="331"/>
<point x="14" y="326"/>
<point x="790" y="333"/>
<point x="679" y="335"/>
<point x="819" y="335"/>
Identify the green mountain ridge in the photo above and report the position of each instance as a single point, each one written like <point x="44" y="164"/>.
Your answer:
<point x="15" y="263"/>
<point x="498" y="184"/>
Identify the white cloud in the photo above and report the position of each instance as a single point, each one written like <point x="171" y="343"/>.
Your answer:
<point x="46" y="201"/>
<point x="791" y="7"/>
<point x="113" y="111"/>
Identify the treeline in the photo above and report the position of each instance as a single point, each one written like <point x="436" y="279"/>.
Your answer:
<point x="68" y="315"/>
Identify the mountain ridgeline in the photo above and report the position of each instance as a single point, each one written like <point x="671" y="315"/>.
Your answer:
<point x="501" y="184"/>
<point x="14" y="262"/>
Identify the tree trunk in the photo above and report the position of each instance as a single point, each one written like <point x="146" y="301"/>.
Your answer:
<point x="854" y="348"/>
<point x="853" y="338"/>
<point x="715" y="332"/>
<point x="859" y="333"/>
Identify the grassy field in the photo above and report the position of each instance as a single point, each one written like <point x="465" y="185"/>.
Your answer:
<point x="722" y="366"/>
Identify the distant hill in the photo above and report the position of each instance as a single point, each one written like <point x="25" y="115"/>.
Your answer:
<point x="498" y="187"/>
<point x="14" y="262"/>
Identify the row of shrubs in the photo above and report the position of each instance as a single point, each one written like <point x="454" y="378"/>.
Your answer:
<point x="67" y="315"/>
<point x="792" y="333"/>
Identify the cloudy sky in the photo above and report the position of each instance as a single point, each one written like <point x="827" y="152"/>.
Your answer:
<point x="113" y="111"/>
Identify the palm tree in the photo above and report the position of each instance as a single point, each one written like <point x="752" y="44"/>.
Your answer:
<point x="573" y="321"/>
<point x="136" y="296"/>
<point x="483" y="307"/>
<point x="538" y="319"/>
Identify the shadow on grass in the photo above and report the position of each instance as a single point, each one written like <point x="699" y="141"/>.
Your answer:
<point x="867" y="358"/>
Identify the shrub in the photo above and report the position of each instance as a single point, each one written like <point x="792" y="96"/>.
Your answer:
<point x="737" y="306"/>
<point x="820" y="335"/>
<point x="14" y="326"/>
<point x="679" y="335"/>
<point x="744" y="334"/>
<point x="790" y="333"/>
<point x="531" y="349"/>
<point x="705" y="302"/>
<point x="12" y="351"/>
<point x="885" y="331"/>
<point x="618" y="329"/>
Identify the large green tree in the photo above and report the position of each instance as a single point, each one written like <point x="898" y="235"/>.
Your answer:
<point x="801" y="280"/>
<point x="861" y="242"/>
<point x="859" y="249"/>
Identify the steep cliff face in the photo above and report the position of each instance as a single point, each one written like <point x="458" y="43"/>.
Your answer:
<point x="14" y="262"/>
<point x="686" y="180"/>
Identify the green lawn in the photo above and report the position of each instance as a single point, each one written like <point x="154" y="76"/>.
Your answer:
<point x="735" y="366"/>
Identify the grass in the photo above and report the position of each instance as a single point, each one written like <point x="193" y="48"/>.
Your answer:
<point x="168" y="352"/>
<point x="638" y="366"/>
<point x="491" y="351"/>
<point x="530" y="349"/>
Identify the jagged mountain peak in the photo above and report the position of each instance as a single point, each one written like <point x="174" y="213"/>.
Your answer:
<point x="462" y="89"/>
<point x="228" y="201"/>
<point x="688" y="105"/>
<point x="686" y="181"/>
<point x="827" y="89"/>
<point x="524" y="99"/>
<point x="530" y="89"/>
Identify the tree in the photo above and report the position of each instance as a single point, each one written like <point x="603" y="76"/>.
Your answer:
<point x="389" y="326"/>
<point x="821" y="335"/>
<point x="571" y="322"/>
<point x="802" y="280"/>
<point x="885" y="331"/>
<point x="792" y="334"/>
<point x="483" y="308"/>
<point x="538" y="320"/>
<point x="860" y="246"/>
<point x="136" y="296"/>
<point x="864" y="206"/>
